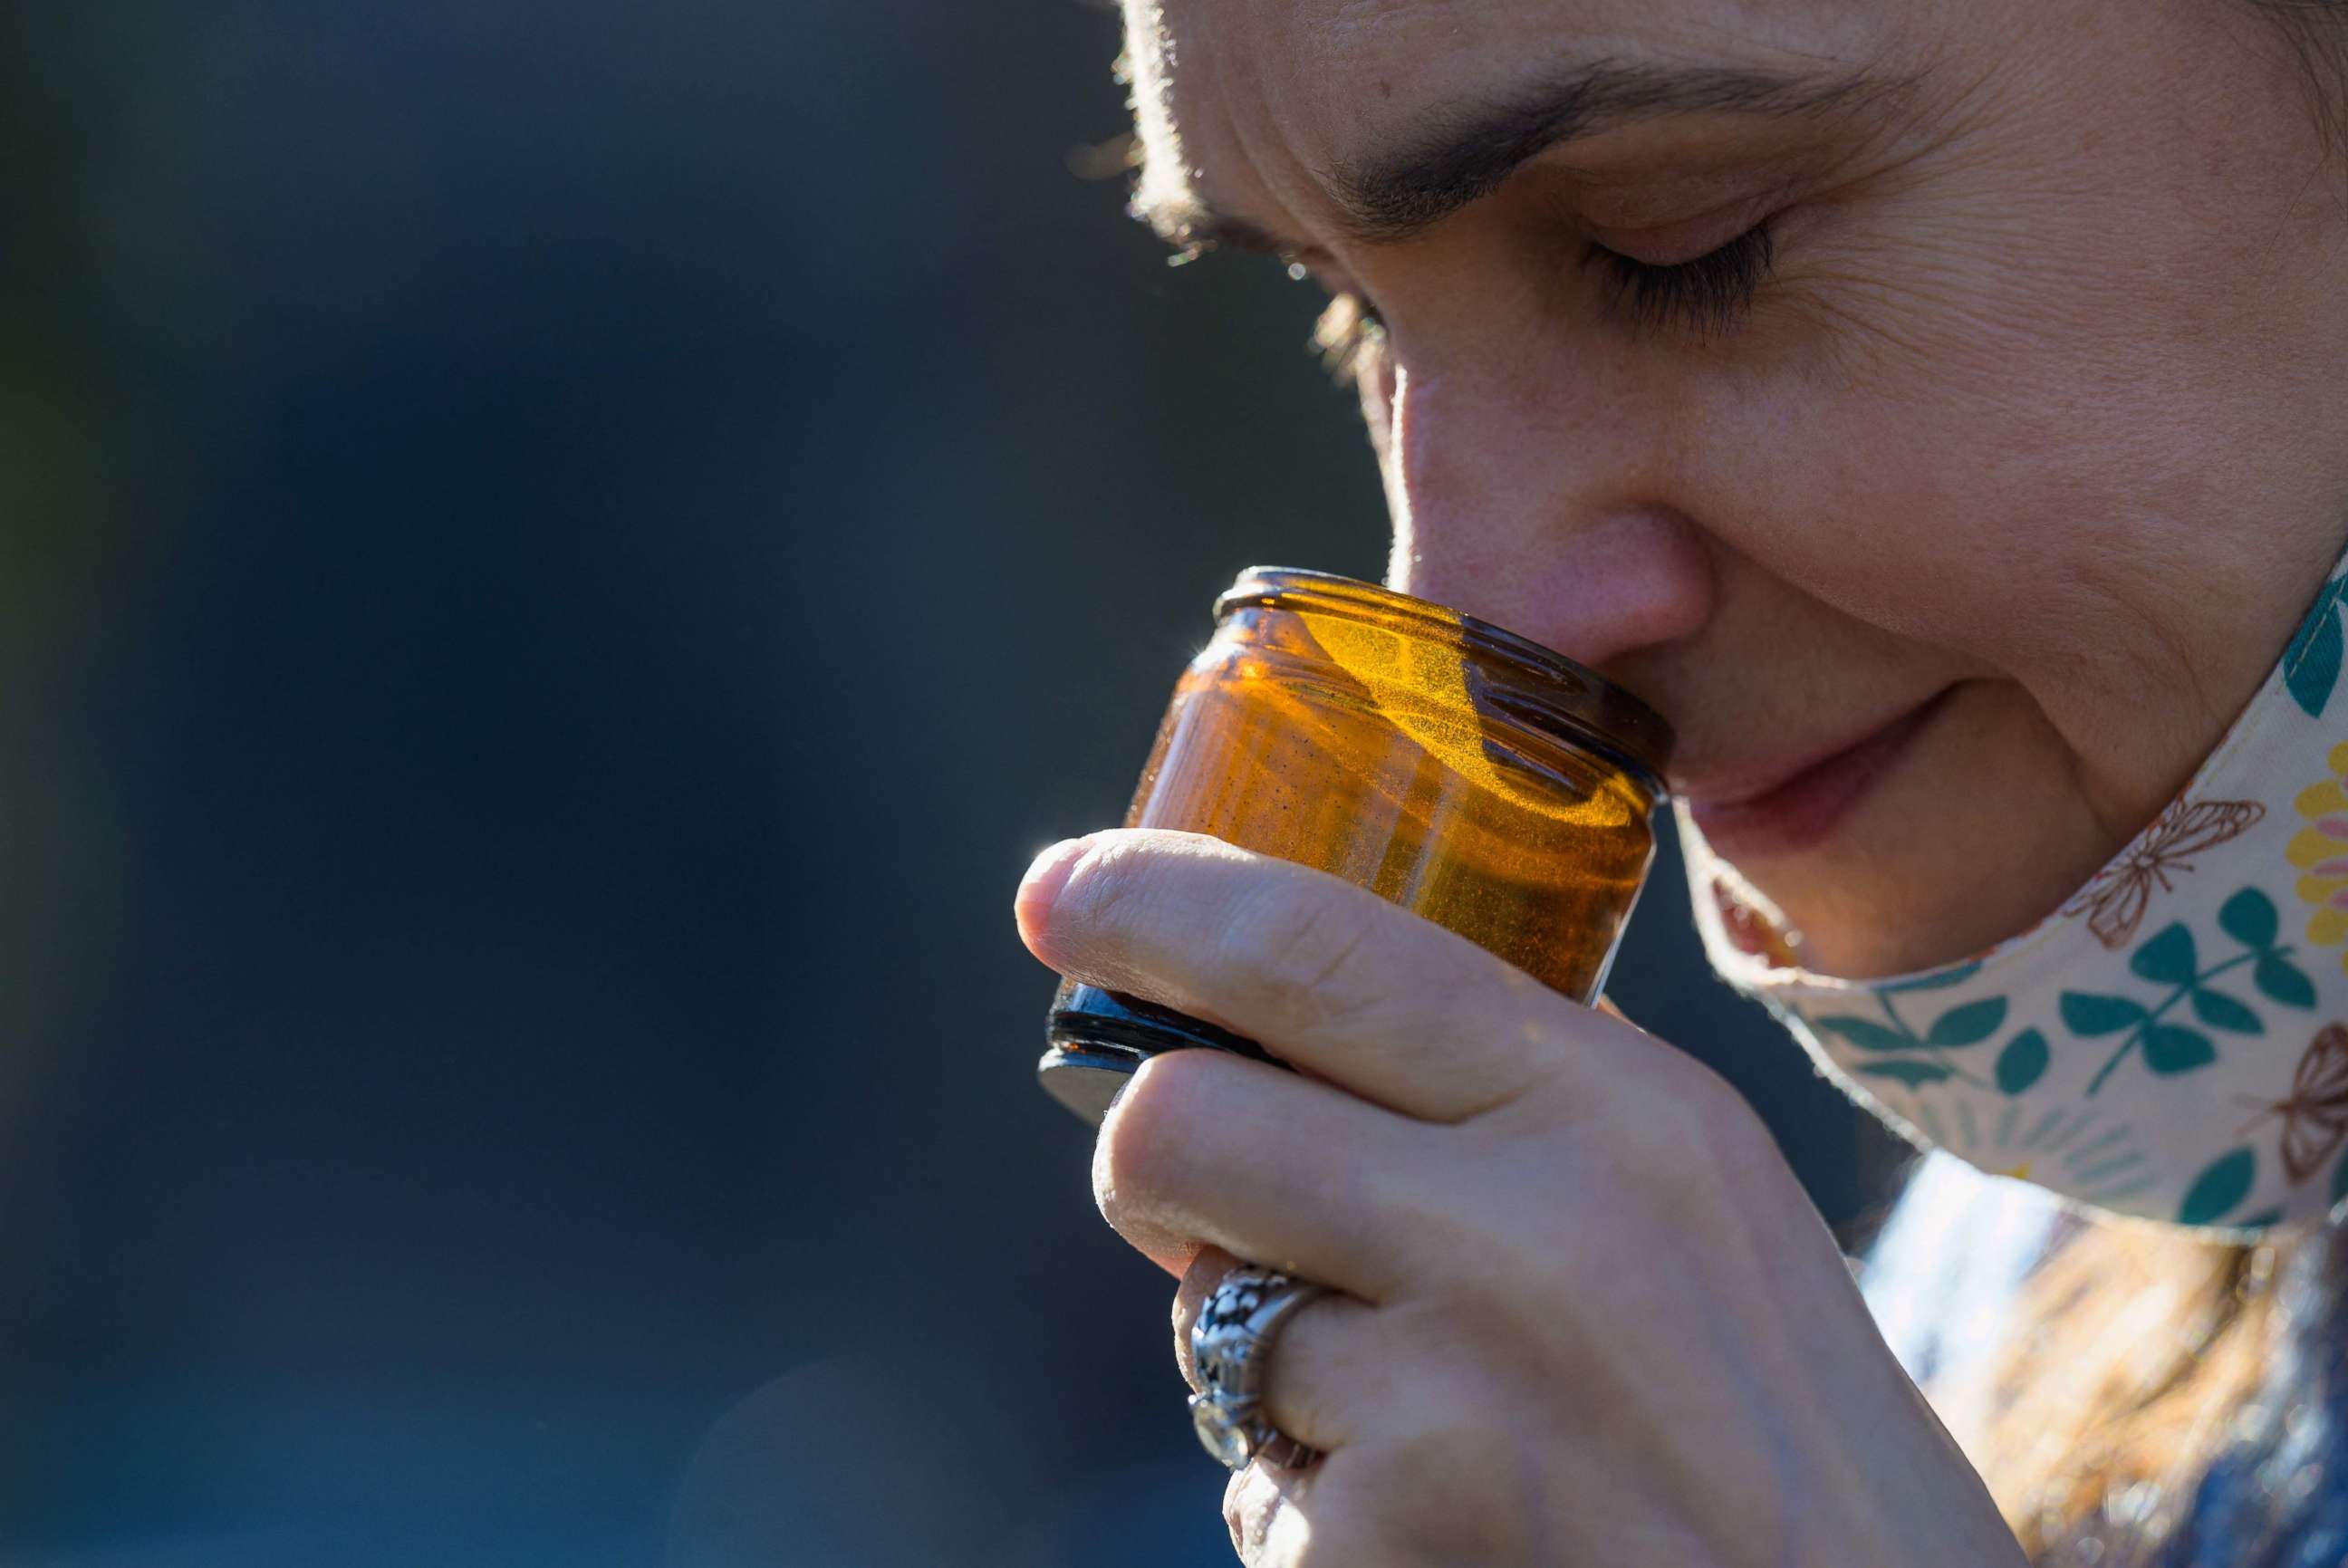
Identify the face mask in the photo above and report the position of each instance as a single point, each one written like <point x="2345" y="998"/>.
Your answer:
<point x="2172" y="1044"/>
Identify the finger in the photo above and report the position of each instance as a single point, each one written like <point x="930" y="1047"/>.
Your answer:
<point x="1208" y="1148"/>
<point x="1199" y="1281"/>
<point x="1263" y="1509"/>
<point x="1328" y="1368"/>
<point x="1327" y="975"/>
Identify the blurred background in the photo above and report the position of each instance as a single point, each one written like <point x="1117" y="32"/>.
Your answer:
<point x="558" y="562"/>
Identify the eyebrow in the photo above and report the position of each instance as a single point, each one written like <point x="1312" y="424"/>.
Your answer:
<point x="1474" y="149"/>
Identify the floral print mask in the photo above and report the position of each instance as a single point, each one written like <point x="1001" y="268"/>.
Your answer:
<point x="2172" y="1044"/>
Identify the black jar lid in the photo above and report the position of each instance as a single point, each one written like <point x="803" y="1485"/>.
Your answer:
<point x="1567" y="700"/>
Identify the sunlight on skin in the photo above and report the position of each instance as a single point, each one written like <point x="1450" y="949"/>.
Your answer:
<point x="1934" y="412"/>
<point x="2030" y="405"/>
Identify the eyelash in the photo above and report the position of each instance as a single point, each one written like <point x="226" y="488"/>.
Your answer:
<point x="1704" y="294"/>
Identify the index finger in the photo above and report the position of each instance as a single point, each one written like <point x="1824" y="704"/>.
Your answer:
<point x="1325" y="975"/>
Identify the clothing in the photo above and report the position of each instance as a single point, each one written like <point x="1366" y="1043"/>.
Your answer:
<point x="2225" y="920"/>
<point x="2172" y="1044"/>
<point x="1941" y="1279"/>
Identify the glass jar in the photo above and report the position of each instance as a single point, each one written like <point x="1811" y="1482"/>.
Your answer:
<point x="1467" y="774"/>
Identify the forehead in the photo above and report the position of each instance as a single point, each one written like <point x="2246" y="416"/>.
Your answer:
<point x="1242" y="102"/>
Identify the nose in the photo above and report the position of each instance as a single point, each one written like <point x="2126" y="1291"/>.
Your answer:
<point x="1542" y="508"/>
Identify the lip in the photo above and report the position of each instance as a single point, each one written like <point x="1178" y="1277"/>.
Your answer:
<point x="1801" y="806"/>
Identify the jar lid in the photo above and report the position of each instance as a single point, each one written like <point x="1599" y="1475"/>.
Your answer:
<point x="1567" y="700"/>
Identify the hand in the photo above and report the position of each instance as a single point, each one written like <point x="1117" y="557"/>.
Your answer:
<point x="1589" y="1315"/>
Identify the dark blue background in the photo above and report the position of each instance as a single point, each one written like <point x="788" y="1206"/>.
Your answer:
<point x="559" y="560"/>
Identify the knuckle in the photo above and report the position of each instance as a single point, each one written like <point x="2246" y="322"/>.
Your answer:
<point x="1250" y="1506"/>
<point x="1742" y="1161"/>
<point x="1302" y="1521"/>
<point x="1676" y="1150"/>
<point x="1695" y="1147"/>
<point x="1306" y="956"/>
<point x="1661" y="1118"/>
<point x="1705" y="1115"/>
<point x="1253" y="1504"/>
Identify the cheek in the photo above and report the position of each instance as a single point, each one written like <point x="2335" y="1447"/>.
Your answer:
<point x="2018" y="403"/>
<point x="1981" y="475"/>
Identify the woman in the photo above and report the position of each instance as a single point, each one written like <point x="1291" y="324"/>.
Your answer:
<point x="1936" y="411"/>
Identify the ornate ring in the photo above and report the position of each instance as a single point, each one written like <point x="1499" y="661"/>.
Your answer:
<point x="1228" y="1344"/>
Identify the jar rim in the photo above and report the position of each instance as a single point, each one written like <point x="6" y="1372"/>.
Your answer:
<point x="1579" y="705"/>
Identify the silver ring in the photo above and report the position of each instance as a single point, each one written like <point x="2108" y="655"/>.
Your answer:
<point x="1229" y="1344"/>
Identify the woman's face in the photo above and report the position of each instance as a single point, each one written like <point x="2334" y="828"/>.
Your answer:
<point x="1937" y="411"/>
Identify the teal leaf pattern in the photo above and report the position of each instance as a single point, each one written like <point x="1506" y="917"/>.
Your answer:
<point x="2172" y="1048"/>
<point x="1914" y="1074"/>
<point x="2135" y="1053"/>
<point x="1919" y="1059"/>
<point x="2090" y="1016"/>
<point x="2174" y="984"/>
<point x="1969" y="1025"/>
<point x="1867" y="1034"/>
<point x="2166" y="959"/>
<point x="2221" y="1011"/>
<point x="2283" y="981"/>
<point x="2311" y="665"/>
<point x="2219" y="1189"/>
<point x="2170" y="958"/>
<point x="2023" y="1062"/>
<point x="2250" y="918"/>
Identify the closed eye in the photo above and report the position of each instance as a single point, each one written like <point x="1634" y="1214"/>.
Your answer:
<point x="1707" y="293"/>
